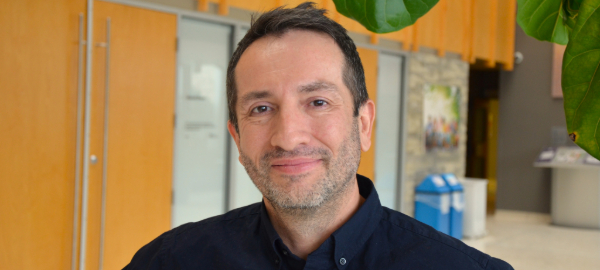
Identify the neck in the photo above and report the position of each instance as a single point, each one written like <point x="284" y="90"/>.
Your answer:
<point x="304" y="230"/>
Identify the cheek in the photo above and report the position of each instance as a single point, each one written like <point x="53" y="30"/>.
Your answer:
<point x="253" y="140"/>
<point x="331" y="131"/>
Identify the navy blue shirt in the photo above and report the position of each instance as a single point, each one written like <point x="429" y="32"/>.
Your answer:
<point x="375" y="237"/>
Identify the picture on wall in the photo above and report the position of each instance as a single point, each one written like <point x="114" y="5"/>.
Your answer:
<point x="441" y="116"/>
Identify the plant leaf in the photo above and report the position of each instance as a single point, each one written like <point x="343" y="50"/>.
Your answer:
<point x="384" y="16"/>
<point x="544" y="20"/>
<point x="572" y="11"/>
<point x="581" y="79"/>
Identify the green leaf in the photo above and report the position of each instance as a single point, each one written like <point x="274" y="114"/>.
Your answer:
<point x="544" y="20"/>
<point x="573" y="5"/>
<point x="581" y="79"/>
<point x="572" y="11"/>
<point x="384" y="16"/>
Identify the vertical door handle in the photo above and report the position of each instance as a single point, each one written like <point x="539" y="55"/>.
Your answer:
<point x="81" y="43"/>
<point x="86" y="134"/>
<point x="105" y="143"/>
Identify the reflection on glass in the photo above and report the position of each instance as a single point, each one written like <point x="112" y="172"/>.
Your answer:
<point x="387" y="132"/>
<point x="200" y="129"/>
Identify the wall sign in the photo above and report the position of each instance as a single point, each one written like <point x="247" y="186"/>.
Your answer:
<point x="441" y="116"/>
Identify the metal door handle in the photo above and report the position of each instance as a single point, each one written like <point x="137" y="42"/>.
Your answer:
<point x="86" y="136"/>
<point x="105" y="143"/>
<point x="81" y="43"/>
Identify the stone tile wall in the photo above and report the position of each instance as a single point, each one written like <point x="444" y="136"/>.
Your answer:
<point x="427" y="68"/>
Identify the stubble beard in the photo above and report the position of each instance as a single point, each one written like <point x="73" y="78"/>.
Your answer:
<point x="339" y="173"/>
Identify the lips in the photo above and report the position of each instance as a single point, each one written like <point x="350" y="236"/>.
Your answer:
<point x="295" y="166"/>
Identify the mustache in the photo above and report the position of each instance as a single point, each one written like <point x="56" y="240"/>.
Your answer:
<point x="306" y="151"/>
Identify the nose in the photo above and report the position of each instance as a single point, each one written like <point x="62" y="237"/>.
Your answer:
<point x="291" y="128"/>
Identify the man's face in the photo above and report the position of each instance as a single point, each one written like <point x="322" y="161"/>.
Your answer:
<point x="298" y="139"/>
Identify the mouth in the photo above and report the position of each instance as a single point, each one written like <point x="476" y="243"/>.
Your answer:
<point x="295" y="166"/>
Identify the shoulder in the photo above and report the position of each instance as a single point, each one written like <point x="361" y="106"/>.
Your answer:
<point x="240" y="217"/>
<point x="191" y="237"/>
<point x="426" y="242"/>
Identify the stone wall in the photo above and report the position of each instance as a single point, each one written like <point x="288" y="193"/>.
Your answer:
<point x="427" y="68"/>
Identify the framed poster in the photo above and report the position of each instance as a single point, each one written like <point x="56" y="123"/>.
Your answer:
<point x="441" y="116"/>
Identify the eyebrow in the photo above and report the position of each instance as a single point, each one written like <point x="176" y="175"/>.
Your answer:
<point x="316" y="86"/>
<point x="247" y="98"/>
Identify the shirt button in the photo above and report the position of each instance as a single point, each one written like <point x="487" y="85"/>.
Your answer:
<point x="343" y="261"/>
<point x="276" y="261"/>
<point x="284" y="252"/>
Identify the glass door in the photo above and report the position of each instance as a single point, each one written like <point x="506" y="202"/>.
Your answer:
<point x="388" y="130"/>
<point x="201" y="137"/>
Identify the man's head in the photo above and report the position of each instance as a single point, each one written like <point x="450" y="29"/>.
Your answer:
<point x="299" y="110"/>
<point x="304" y="17"/>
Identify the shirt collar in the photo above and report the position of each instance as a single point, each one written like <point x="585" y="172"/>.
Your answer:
<point x="348" y="239"/>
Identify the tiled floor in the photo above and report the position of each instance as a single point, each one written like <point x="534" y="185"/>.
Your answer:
<point x="529" y="241"/>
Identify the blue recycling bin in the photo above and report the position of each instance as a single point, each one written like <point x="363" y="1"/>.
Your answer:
<point x="457" y="205"/>
<point x="432" y="203"/>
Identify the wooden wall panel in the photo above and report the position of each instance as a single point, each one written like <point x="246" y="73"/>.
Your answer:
<point x="455" y="30"/>
<point x="369" y="60"/>
<point x="202" y="5"/>
<point x="396" y="36"/>
<point x="481" y="26"/>
<point x="505" y="39"/>
<point x="490" y="60"/>
<point x="260" y="6"/>
<point x="294" y="3"/>
<point x="38" y="86"/>
<point x="429" y="34"/>
<point x="442" y="23"/>
<point x="140" y="130"/>
<point x="353" y="26"/>
<point x="458" y="26"/>
<point x="469" y="29"/>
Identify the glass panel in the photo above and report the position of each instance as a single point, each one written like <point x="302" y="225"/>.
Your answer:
<point x="387" y="150"/>
<point x="200" y="130"/>
<point x="242" y="191"/>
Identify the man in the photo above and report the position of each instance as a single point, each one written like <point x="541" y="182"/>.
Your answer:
<point x="300" y="115"/>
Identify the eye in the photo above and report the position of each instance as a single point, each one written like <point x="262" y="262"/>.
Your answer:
<point x="319" y="103"/>
<point x="261" y="109"/>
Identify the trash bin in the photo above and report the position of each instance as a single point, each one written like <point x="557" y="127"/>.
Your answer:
<point x="457" y="205"/>
<point x="475" y="207"/>
<point x="432" y="203"/>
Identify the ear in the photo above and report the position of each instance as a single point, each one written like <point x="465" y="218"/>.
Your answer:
<point x="366" y="118"/>
<point x="234" y="134"/>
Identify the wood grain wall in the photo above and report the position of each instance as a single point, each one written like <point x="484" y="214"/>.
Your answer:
<point x="475" y="29"/>
<point x="38" y="86"/>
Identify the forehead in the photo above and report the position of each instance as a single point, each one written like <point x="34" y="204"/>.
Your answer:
<point x="296" y="57"/>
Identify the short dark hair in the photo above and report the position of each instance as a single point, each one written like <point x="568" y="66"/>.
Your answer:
<point x="304" y="17"/>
